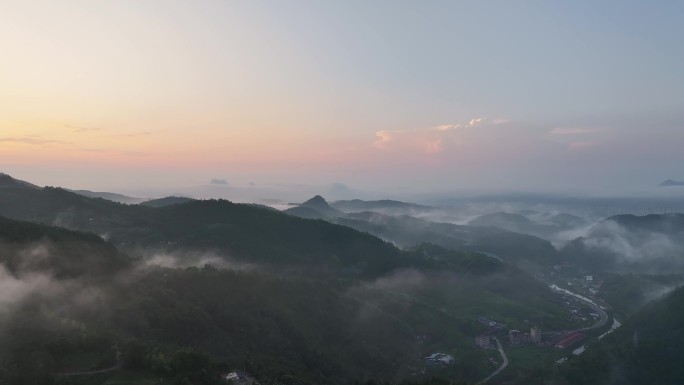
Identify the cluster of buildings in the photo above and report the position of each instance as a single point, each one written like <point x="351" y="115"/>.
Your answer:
<point x="486" y="339"/>
<point x="586" y="284"/>
<point x="534" y="337"/>
<point x="578" y="309"/>
<point x="516" y="337"/>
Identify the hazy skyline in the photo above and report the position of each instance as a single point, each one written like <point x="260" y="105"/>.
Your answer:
<point x="416" y="96"/>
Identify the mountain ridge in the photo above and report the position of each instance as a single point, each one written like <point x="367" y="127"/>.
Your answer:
<point x="670" y="183"/>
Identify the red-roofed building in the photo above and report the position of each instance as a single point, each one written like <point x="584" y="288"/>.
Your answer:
<point x="570" y="339"/>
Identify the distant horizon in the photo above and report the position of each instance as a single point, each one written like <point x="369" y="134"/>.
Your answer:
<point x="380" y="96"/>
<point x="297" y="192"/>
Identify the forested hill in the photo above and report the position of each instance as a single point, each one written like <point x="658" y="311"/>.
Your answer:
<point x="7" y="181"/>
<point x="407" y="231"/>
<point x="72" y="303"/>
<point x="242" y="232"/>
<point x="662" y="223"/>
<point x="167" y="201"/>
<point x="29" y="248"/>
<point x="628" y="243"/>
<point x="355" y="308"/>
<point x="190" y="325"/>
<point x="264" y="235"/>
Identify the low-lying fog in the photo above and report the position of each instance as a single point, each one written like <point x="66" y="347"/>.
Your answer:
<point x="575" y="225"/>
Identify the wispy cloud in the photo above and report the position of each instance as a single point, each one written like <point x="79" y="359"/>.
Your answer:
<point x="410" y="141"/>
<point x="128" y="135"/>
<point x="81" y="128"/>
<point x="34" y="141"/>
<point x="110" y="151"/>
<point x="471" y="123"/>
<point x="575" y="138"/>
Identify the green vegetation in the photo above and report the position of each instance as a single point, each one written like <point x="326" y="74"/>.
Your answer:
<point x="26" y="246"/>
<point x="244" y="232"/>
<point x="528" y="363"/>
<point x="630" y="292"/>
<point x="194" y="324"/>
<point x="317" y="303"/>
<point x="524" y="250"/>
<point x="167" y="201"/>
<point x="652" y="244"/>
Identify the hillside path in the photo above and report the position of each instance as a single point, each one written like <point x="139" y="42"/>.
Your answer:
<point x="503" y="365"/>
<point x="116" y="366"/>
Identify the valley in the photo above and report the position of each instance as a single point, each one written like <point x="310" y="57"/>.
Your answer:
<point x="191" y="289"/>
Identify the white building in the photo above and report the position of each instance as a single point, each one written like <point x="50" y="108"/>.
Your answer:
<point x="536" y="335"/>
<point x="483" y="341"/>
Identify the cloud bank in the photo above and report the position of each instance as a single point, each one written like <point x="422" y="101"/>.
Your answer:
<point x="431" y="140"/>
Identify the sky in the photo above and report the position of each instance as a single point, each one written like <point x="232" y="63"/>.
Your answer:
<point x="377" y="95"/>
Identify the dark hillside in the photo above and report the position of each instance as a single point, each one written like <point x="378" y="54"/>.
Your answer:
<point x="654" y="356"/>
<point x="243" y="232"/>
<point x="631" y="244"/>
<point x="27" y="247"/>
<point x="167" y="201"/>
<point x="407" y="231"/>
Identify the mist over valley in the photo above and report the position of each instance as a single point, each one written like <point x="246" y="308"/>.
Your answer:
<point x="143" y="289"/>
<point x="306" y="192"/>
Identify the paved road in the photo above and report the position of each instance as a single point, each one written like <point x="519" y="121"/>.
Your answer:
<point x="106" y="370"/>
<point x="503" y="365"/>
<point x="116" y="366"/>
<point x="602" y="313"/>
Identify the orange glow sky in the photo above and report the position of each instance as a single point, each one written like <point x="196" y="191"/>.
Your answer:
<point x="116" y="94"/>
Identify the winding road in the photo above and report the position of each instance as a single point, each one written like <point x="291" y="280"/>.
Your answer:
<point x="503" y="365"/>
<point x="106" y="370"/>
<point x="116" y="366"/>
<point x="602" y="313"/>
<point x="602" y="321"/>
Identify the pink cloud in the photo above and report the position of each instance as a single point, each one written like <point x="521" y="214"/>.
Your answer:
<point x="383" y="137"/>
<point x="431" y="140"/>
<point x="410" y="141"/>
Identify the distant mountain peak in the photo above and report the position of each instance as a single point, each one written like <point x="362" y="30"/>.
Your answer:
<point x="671" y="182"/>
<point x="316" y="201"/>
<point x="316" y="207"/>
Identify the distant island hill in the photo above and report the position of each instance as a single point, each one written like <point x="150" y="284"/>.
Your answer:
<point x="671" y="182"/>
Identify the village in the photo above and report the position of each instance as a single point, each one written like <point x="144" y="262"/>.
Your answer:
<point x="577" y="294"/>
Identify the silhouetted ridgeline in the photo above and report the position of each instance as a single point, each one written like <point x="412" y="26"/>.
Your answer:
<point x="300" y="301"/>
